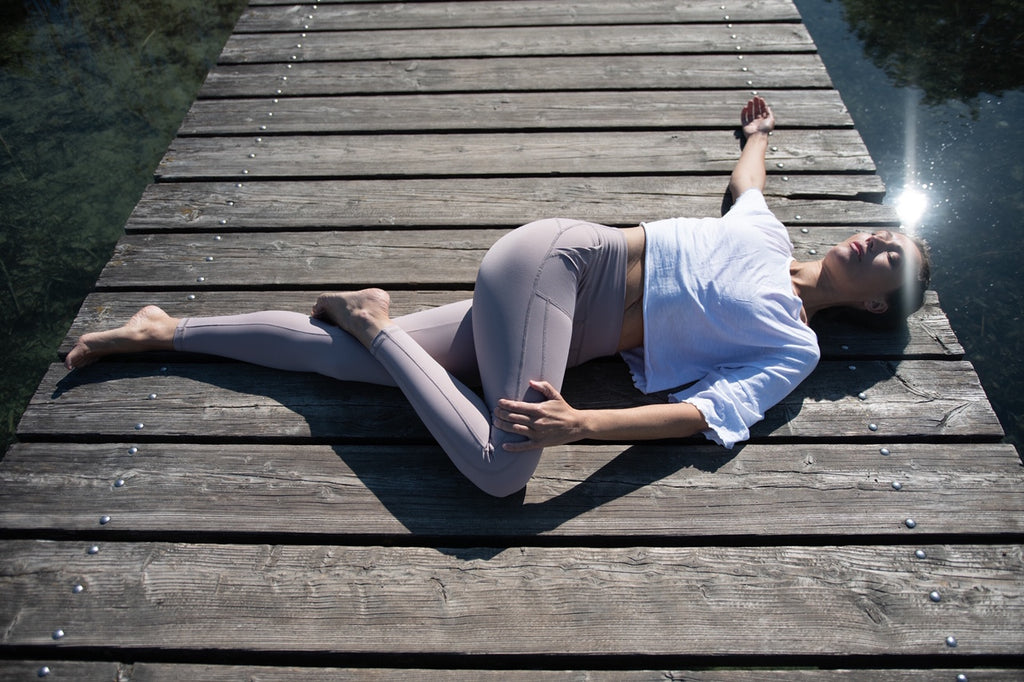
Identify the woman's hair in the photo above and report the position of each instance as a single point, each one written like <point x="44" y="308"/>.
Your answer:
<point x="901" y="302"/>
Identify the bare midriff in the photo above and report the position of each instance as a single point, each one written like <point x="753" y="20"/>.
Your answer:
<point x="633" y="315"/>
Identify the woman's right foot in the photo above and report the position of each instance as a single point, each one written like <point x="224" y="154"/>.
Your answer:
<point x="363" y="314"/>
<point x="149" y="329"/>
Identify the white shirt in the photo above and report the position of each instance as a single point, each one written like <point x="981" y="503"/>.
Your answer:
<point x="720" y="310"/>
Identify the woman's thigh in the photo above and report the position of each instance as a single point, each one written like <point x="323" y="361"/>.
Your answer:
<point x="527" y="321"/>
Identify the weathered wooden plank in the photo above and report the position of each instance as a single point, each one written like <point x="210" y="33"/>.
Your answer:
<point x="406" y="259"/>
<point x="167" y="672"/>
<point x="508" y="74"/>
<point x="107" y="401"/>
<point x="607" y="110"/>
<point x="560" y="41"/>
<point x="80" y="671"/>
<point x="376" y="16"/>
<point x="578" y="492"/>
<point x="751" y="601"/>
<point x="492" y="202"/>
<point x="928" y="334"/>
<point x="469" y="154"/>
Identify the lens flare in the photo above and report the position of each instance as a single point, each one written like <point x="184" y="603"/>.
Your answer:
<point x="911" y="207"/>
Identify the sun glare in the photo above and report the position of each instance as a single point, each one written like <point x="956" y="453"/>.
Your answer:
<point x="911" y="206"/>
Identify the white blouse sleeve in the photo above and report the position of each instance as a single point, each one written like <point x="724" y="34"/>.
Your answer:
<point x="733" y="398"/>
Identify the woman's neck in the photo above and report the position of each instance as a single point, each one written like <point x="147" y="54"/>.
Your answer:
<point x="811" y="284"/>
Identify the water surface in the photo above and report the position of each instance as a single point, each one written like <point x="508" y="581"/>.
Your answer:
<point x="91" y="93"/>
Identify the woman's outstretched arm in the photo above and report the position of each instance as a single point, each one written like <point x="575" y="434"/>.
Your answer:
<point x="757" y="121"/>
<point x="555" y="422"/>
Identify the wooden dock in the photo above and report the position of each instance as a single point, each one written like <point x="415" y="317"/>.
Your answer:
<point x="186" y="518"/>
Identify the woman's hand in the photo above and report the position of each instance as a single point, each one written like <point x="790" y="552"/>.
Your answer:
<point x="757" y="117"/>
<point x="551" y="422"/>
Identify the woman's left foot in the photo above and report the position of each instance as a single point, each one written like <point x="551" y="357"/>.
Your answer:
<point x="363" y="314"/>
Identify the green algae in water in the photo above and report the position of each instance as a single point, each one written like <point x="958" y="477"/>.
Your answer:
<point x="91" y="93"/>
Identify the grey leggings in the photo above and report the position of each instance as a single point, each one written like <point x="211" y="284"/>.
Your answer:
<point x="549" y="295"/>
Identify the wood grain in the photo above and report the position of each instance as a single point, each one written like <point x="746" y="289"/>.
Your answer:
<point x="508" y="74"/>
<point x="547" y="41"/>
<point x="394" y="493"/>
<point x="512" y="154"/>
<point x="506" y="111"/>
<point x="325" y="16"/>
<point x="492" y="202"/>
<point x="828" y="600"/>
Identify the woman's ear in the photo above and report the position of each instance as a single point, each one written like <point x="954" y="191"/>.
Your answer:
<point x="876" y="306"/>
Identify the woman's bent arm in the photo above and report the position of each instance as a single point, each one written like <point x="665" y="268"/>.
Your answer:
<point x="555" y="422"/>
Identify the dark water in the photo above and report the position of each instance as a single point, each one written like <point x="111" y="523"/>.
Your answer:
<point x="92" y="91"/>
<point x="937" y="92"/>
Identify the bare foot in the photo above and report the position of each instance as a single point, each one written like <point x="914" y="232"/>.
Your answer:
<point x="149" y="329"/>
<point x="361" y="313"/>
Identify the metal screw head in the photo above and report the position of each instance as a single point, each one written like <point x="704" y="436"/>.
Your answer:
<point x="872" y="427"/>
<point x="104" y="520"/>
<point x="190" y="297"/>
<point x="961" y="678"/>
<point x="222" y="222"/>
<point x="804" y="230"/>
<point x="58" y="634"/>
<point x="852" y="368"/>
<point x="910" y="523"/>
<point x="133" y="450"/>
<point x="77" y="589"/>
<point x="862" y="395"/>
<point x="921" y="554"/>
<point x="813" y="252"/>
<point x="119" y="483"/>
<point x="200" y="279"/>
<point x="151" y="396"/>
<point x="140" y="426"/>
<point x="780" y="164"/>
<point x="217" y="238"/>
<point x="896" y="485"/>
<point x="44" y="671"/>
<point x="93" y="550"/>
<point x="884" y="451"/>
<point x="935" y="597"/>
<point x="951" y="641"/>
<point x="209" y="259"/>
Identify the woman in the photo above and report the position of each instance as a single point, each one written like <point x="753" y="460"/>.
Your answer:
<point x="718" y="304"/>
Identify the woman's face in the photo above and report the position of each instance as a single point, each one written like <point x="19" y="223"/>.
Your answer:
<point x="869" y="266"/>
